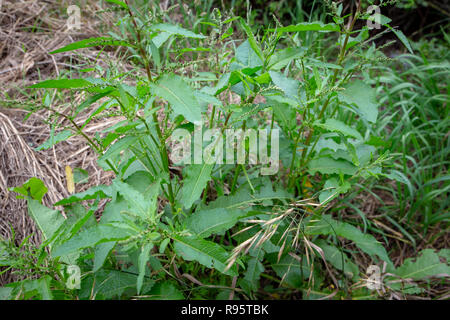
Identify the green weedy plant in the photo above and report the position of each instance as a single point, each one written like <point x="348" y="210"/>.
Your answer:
<point x="220" y="227"/>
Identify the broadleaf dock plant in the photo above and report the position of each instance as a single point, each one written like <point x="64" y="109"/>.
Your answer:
<point x="221" y="226"/>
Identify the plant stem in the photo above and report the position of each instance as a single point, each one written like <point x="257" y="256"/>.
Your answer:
<point x="164" y="153"/>
<point x="98" y="149"/>
<point x="335" y="75"/>
<point x="139" y="38"/>
<point x="291" y="168"/>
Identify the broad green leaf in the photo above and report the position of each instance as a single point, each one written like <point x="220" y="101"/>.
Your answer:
<point x="247" y="56"/>
<point x="335" y="189"/>
<point x="289" y="86"/>
<point x="140" y="181"/>
<point x="281" y="58"/>
<point x="445" y="253"/>
<point x="63" y="84"/>
<point x="163" y="245"/>
<point x="155" y="55"/>
<point x="92" y="42"/>
<point x="338" y="126"/>
<point x="205" y="76"/>
<point x="113" y="210"/>
<point x="37" y="287"/>
<point x="320" y="64"/>
<point x="91" y="237"/>
<point x="119" y="3"/>
<point x="243" y="198"/>
<point x="77" y="217"/>
<point x="142" y="264"/>
<point x="338" y="259"/>
<point x="353" y="41"/>
<point x="360" y="155"/>
<point x="101" y="192"/>
<point x="405" y="288"/>
<point x="207" y="99"/>
<point x="326" y="225"/>
<point x="215" y="221"/>
<point x="328" y="165"/>
<point x="47" y="220"/>
<point x="161" y="38"/>
<point x="230" y="79"/>
<point x="137" y="203"/>
<point x="364" y="153"/>
<point x="196" y="176"/>
<point x="253" y="272"/>
<point x="377" y="17"/>
<point x="282" y="99"/>
<point x="325" y="143"/>
<point x="81" y="221"/>
<point x="115" y="149"/>
<point x="207" y="253"/>
<point x="285" y="115"/>
<point x="263" y="78"/>
<point x="309" y="26"/>
<point x="290" y="270"/>
<point x="43" y="286"/>
<point x="364" y="97"/>
<point x="34" y="188"/>
<point x="177" y="30"/>
<point x="221" y="85"/>
<point x="251" y="39"/>
<point x="165" y="290"/>
<point x="402" y="38"/>
<point x="101" y="253"/>
<point x="5" y="258"/>
<point x="110" y="284"/>
<point x="353" y="154"/>
<point x="426" y="265"/>
<point x="6" y="293"/>
<point x="112" y="213"/>
<point x="177" y="92"/>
